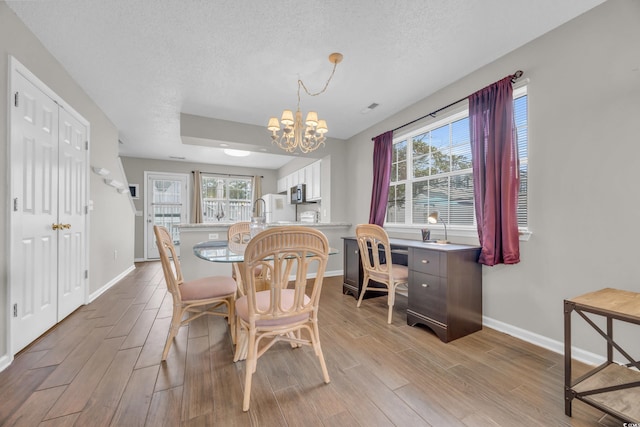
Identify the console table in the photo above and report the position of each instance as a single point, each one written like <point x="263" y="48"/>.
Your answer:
<point x="610" y="387"/>
<point x="445" y="284"/>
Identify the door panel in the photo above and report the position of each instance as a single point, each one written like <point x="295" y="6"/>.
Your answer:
<point x="34" y="148"/>
<point x="72" y="175"/>
<point x="166" y="205"/>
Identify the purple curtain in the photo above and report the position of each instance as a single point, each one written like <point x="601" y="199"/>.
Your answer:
<point x="495" y="172"/>
<point x="382" y="152"/>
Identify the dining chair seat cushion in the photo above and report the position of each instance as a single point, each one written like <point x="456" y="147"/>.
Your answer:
<point x="263" y="299"/>
<point x="207" y="287"/>
<point x="400" y="273"/>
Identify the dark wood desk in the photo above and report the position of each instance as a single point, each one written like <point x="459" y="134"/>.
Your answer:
<point x="445" y="284"/>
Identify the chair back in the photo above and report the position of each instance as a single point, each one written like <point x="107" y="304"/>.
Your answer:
<point x="171" y="270"/>
<point x="285" y="251"/>
<point x="373" y="241"/>
<point x="239" y="233"/>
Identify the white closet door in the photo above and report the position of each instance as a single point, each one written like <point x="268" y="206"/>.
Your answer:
<point x="34" y="196"/>
<point x="72" y="178"/>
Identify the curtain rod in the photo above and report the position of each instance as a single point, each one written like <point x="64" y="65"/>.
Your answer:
<point x="515" y="76"/>
<point x="227" y="174"/>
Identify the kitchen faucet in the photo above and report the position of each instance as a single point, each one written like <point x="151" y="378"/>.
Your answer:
<point x="255" y="206"/>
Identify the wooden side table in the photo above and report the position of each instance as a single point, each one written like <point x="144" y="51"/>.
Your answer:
<point x="610" y="387"/>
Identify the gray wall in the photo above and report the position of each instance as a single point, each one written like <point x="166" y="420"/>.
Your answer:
<point x="111" y="221"/>
<point x="135" y="168"/>
<point x="584" y="101"/>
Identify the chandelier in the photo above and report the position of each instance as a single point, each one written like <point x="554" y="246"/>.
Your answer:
<point x="307" y="135"/>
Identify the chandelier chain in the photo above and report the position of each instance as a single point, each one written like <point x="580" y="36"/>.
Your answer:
<point x="326" y="85"/>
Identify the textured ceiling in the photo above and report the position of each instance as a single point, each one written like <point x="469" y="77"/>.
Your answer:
<point x="146" y="61"/>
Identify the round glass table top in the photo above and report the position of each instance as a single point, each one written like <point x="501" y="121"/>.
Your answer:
<point x="222" y="251"/>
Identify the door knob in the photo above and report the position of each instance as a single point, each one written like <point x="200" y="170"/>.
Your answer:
<point x="55" y="226"/>
<point x="65" y="226"/>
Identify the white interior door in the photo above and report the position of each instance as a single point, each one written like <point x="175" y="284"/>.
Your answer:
<point x="34" y="193"/>
<point x="48" y="168"/>
<point x="167" y="204"/>
<point x="72" y="176"/>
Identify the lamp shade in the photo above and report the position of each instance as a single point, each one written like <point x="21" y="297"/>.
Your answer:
<point x="322" y="127"/>
<point x="273" y="125"/>
<point x="433" y="217"/>
<point x="312" y="119"/>
<point x="287" y="118"/>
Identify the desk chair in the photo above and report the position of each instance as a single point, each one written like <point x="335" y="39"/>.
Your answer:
<point x="372" y="242"/>
<point x="200" y="296"/>
<point x="282" y="312"/>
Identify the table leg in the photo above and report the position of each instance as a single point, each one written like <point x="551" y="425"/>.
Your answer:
<point x="568" y="393"/>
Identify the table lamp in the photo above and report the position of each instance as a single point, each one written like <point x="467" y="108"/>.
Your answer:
<point x="432" y="219"/>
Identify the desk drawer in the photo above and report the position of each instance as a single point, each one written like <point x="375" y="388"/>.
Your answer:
<point x="426" y="261"/>
<point x="428" y="295"/>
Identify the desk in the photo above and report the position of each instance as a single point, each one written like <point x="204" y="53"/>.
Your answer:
<point x="610" y="387"/>
<point x="445" y="284"/>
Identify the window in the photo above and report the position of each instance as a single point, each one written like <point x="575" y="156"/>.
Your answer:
<point x="431" y="171"/>
<point x="226" y="198"/>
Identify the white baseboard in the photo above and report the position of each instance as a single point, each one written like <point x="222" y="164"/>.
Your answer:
<point x="142" y="260"/>
<point x="112" y="282"/>
<point x="542" y="341"/>
<point x="5" y="361"/>
<point x="333" y="273"/>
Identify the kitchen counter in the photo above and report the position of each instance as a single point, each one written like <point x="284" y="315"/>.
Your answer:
<point x="192" y="234"/>
<point x="274" y="224"/>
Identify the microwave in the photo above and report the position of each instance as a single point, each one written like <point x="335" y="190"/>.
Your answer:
<point x="298" y="194"/>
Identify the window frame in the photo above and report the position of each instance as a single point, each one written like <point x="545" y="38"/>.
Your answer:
<point x="226" y="200"/>
<point x="456" y="113"/>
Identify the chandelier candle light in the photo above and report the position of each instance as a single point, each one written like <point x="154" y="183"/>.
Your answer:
<point x="307" y="135"/>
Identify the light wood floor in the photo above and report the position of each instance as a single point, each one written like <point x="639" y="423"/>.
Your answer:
<point x="101" y="366"/>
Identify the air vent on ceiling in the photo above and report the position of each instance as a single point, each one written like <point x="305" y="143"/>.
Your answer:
<point x="369" y="108"/>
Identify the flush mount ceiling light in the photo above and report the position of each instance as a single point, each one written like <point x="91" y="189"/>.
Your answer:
<point x="236" y="153"/>
<point x="307" y="135"/>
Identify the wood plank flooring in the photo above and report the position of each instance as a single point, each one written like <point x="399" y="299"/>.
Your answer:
<point x="101" y="367"/>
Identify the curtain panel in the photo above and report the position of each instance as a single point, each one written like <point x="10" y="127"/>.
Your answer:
<point x="495" y="172"/>
<point x="197" y="198"/>
<point x="382" y="153"/>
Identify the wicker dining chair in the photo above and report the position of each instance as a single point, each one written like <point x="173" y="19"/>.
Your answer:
<point x="196" y="297"/>
<point x="372" y="242"/>
<point x="285" y="310"/>
<point x="240" y="234"/>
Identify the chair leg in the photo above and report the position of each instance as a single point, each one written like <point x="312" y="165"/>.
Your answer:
<point x="250" y="367"/>
<point x="231" y="305"/>
<point x="315" y="339"/>
<point x="365" y="283"/>
<point x="391" y="301"/>
<point x="176" y="319"/>
<point x="241" y="342"/>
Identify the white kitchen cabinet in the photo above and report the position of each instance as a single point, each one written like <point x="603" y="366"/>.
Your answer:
<point x="281" y="185"/>
<point x="314" y="181"/>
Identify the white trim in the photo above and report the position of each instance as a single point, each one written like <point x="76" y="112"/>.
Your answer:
<point x="544" y="342"/>
<point x="333" y="273"/>
<point x="5" y="361"/>
<point x="109" y="284"/>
